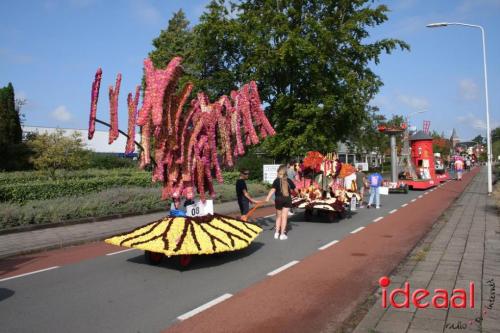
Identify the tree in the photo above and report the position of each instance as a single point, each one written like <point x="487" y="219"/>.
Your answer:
<point x="174" y="41"/>
<point x="57" y="151"/>
<point x="479" y="139"/>
<point x="311" y="59"/>
<point x="10" y="130"/>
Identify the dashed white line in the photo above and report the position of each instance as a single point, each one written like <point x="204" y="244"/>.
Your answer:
<point x="404" y="205"/>
<point x="328" y="245"/>
<point x="118" y="252"/>
<point x="204" y="307"/>
<point x="378" y="219"/>
<point x="25" y="274"/>
<point x="413" y="200"/>
<point x="425" y="193"/>
<point x="282" y="268"/>
<point x="357" y="230"/>
<point x="420" y="196"/>
<point x="393" y="211"/>
<point x="268" y="216"/>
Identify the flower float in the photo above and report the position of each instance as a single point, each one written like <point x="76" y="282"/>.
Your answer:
<point x="191" y="140"/>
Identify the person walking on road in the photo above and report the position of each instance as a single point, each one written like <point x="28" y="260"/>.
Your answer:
<point x="360" y="184"/>
<point x="459" y="168"/>
<point x="244" y="199"/>
<point x="375" y="181"/>
<point x="281" y="188"/>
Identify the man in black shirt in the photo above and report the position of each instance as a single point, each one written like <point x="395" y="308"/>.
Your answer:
<point x="244" y="198"/>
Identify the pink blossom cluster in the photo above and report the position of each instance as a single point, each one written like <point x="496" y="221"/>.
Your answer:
<point x="94" y="97"/>
<point x="191" y="141"/>
<point x="113" y="109"/>
<point x="132" y="103"/>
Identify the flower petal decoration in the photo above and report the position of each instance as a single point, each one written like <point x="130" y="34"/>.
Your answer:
<point x="190" y="235"/>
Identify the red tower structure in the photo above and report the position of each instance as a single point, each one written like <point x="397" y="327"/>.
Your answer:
<point x="422" y="158"/>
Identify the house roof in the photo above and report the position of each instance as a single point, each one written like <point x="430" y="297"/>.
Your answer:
<point x="420" y="135"/>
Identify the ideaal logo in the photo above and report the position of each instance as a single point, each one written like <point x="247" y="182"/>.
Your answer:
<point x="440" y="299"/>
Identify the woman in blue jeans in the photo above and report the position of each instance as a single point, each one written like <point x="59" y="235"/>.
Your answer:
<point x="375" y="181"/>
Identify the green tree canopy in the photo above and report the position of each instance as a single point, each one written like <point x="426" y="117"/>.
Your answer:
<point x="10" y="130"/>
<point x="311" y="61"/>
<point x="57" y="151"/>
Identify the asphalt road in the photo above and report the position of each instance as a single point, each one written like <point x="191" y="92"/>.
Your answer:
<point x="121" y="293"/>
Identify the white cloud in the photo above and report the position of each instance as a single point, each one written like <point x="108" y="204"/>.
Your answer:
<point x="468" y="90"/>
<point x="61" y="113"/>
<point x="415" y="103"/>
<point x="466" y="6"/>
<point x="477" y="123"/>
<point x="146" y="12"/>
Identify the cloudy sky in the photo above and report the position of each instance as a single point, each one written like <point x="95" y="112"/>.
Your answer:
<point x="50" y="49"/>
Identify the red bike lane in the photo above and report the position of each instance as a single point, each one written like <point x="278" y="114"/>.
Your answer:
<point x="325" y="288"/>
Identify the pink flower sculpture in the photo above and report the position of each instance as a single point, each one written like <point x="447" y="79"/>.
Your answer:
<point x="93" y="102"/>
<point x="132" y="103"/>
<point x="113" y="109"/>
<point x="191" y="141"/>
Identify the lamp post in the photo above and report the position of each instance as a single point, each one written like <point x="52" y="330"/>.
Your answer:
<point x="488" y="134"/>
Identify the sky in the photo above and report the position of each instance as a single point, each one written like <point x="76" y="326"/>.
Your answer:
<point x="50" y="50"/>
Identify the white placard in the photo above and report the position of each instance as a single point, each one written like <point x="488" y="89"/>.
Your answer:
<point x="200" y="209"/>
<point x="384" y="190"/>
<point x="363" y="165"/>
<point x="270" y="172"/>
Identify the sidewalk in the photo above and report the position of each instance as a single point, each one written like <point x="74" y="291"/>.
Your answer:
<point x="463" y="246"/>
<point x="51" y="238"/>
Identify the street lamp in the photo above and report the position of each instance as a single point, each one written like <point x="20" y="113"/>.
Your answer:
<point x="488" y="134"/>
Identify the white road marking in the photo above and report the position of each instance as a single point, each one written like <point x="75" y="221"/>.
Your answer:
<point x="268" y="216"/>
<point x="404" y="205"/>
<point x="25" y="274"/>
<point x="420" y="196"/>
<point x="393" y="211"/>
<point x="357" y="230"/>
<point x="425" y="193"/>
<point x="118" y="252"/>
<point x="328" y="245"/>
<point x="378" y="219"/>
<point x="282" y="268"/>
<point x="413" y="200"/>
<point x="204" y="307"/>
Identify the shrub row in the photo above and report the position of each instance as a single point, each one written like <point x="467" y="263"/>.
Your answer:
<point x="124" y="200"/>
<point x="54" y="189"/>
<point x="77" y="183"/>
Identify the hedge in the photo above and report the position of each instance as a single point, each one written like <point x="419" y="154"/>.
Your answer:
<point x="101" y="204"/>
<point x="24" y="186"/>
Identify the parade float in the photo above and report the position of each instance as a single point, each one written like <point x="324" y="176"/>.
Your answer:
<point x="440" y="168"/>
<point x="326" y="186"/>
<point x="420" y="173"/>
<point x="186" y="145"/>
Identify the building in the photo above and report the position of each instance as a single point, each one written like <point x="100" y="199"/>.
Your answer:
<point x="454" y="139"/>
<point x="98" y="144"/>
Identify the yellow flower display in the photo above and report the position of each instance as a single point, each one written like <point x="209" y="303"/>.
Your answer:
<point x="190" y="235"/>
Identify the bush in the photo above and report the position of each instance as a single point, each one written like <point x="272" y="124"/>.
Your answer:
<point x="123" y="200"/>
<point x="254" y="164"/>
<point x="110" y="161"/>
<point x="22" y="192"/>
<point x="57" y="151"/>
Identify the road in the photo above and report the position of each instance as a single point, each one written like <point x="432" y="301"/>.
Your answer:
<point x="84" y="289"/>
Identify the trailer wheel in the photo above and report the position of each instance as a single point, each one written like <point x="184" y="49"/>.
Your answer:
<point x="185" y="261"/>
<point x="308" y="214"/>
<point x="153" y="258"/>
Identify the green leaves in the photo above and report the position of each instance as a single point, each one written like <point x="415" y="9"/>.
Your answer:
<point x="302" y="54"/>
